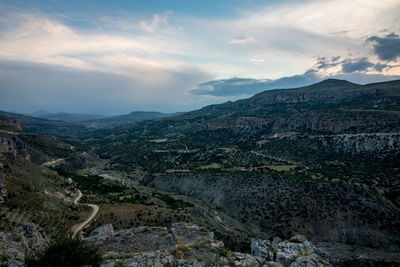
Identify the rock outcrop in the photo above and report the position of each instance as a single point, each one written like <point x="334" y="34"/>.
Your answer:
<point x="12" y="145"/>
<point x="323" y="212"/>
<point x="3" y="188"/>
<point x="25" y="240"/>
<point x="7" y="123"/>
<point x="295" y="253"/>
<point x="190" y="245"/>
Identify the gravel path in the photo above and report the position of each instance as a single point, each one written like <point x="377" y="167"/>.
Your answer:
<point x="95" y="209"/>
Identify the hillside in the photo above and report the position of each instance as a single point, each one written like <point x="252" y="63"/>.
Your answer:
<point x="30" y="193"/>
<point x="67" y="117"/>
<point x="135" y="116"/>
<point x="70" y="131"/>
<point x="335" y="136"/>
<point x="321" y="161"/>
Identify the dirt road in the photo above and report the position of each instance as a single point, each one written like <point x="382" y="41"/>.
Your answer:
<point x="95" y="209"/>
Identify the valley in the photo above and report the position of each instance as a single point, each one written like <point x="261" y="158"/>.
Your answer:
<point x="320" y="161"/>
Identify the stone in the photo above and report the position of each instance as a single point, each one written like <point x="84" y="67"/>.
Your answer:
<point x="3" y="188"/>
<point x="156" y="246"/>
<point x="105" y="230"/>
<point x="298" y="239"/>
<point x="261" y="248"/>
<point x="26" y="239"/>
<point x="304" y="261"/>
<point x="276" y="240"/>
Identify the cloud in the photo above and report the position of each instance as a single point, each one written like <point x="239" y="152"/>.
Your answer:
<point x="230" y="87"/>
<point x="246" y="87"/>
<point x="325" y="62"/>
<point x="153" y="60"/>
<point x="379" y="67"/>
<point x="28" y="86"/>
<point x="45" y="40"/>
<point x="359" y="64"/>
<point x="350" y="65"/>
<point x="386" y="48"/>
<point x="258" y="61"/>
<point x="355" y="70"/>
<point x="242" y="40"/>
<point x="156" y="21"/>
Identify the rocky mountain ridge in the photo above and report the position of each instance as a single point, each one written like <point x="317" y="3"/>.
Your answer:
<point x="24" y="240"/>
<point x="271" y="205"/>
<point x="190" y="245"/>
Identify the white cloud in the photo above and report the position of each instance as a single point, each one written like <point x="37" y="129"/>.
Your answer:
<point x="281" y="39"/>
<point x="258" y="61"/>
<point x="44" y="40"/>
<point x="242" y="40"/>
<point x="156" y="21"/>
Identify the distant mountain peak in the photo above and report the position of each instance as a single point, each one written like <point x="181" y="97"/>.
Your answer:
<point x="39" y="113"/>
<point x="334" y="82"/>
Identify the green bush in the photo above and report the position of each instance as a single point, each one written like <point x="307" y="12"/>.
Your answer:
<point x="66" y="252"/>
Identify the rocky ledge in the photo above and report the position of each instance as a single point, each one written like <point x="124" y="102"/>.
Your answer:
<point x="191" y="245"/>
<point x="25" y="240"/>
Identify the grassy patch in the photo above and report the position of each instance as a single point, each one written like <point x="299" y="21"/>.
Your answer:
<point x="173" y="203"/>
<point x="281" y="168"/>
<point x="94" y="183"/>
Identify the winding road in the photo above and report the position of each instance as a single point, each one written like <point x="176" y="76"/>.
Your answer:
<point x="95" y="209"/>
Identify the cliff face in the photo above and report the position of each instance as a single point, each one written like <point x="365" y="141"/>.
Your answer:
<point x="324" y="212"/>
<point x="3" y="189"/>
<point x="329" y="93"/>
<point x="192" y="246"/>
<point x="12" y="145"/>
<point x="24" y="240"/>
<point x="337" y="122"/>
<point x="10" y="123"/>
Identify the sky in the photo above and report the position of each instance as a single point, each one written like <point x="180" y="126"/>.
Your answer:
<point x="114" y="57"/>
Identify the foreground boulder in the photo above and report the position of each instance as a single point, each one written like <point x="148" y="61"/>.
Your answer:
<point x="191" y="245"/>
<point x="3" y="188"/>
<point x="294" y="253"/>
<point x="25" y="240"/>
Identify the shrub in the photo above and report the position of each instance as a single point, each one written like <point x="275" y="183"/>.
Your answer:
<point x="66" y="252"/>
<point x="223" y="252"/>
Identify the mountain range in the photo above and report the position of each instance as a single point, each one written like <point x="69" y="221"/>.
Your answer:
<point x="320" y="161"/>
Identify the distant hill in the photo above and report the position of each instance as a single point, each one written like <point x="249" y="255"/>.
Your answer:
<point x="283" y="161"/>
<point x="60" y="129"/>
<point x="68" y="117"/>
<point x="134" y="116"/>
<point x="325" y="94"/>
<point x="330" y="103"/>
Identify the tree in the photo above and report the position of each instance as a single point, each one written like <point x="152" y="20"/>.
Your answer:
<point x="66" y="252"/>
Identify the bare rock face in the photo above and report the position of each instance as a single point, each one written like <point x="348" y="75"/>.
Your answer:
<point x="137" y="239"/>
<point x="190" y="245"/>
<point x="3" y="189"/>
<point x="10" y="123"/>
<point x="25" y="240"/>
<point x="236" y="195"/>
<point x="12" y="145"/>
<point x="104" y="231"/>
<point x="294" y="253"/>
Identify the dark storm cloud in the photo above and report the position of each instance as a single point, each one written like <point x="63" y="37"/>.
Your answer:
<point x="349" y="65"/>
<point x="386" y="48"/>
<point x="358" y="64"/>
<point x="240" y="86"/>
<point x="324" y="62"/>
<point x="353" y="70"/>
<point x="379" y="67"/>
